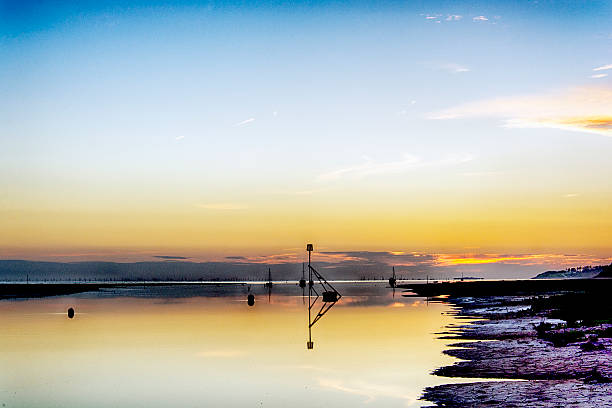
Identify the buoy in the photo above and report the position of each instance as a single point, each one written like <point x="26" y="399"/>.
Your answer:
<point x="70" y="313"/>
<point x="250" y="300"/>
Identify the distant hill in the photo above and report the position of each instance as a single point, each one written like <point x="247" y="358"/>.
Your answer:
<point x="18" y="270"/>
<point x="580" y="272"/>
<point x="172" y="269"/>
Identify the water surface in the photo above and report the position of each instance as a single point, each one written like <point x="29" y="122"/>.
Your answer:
<point x="204" y="346"/>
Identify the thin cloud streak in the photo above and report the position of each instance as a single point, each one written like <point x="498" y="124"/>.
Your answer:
<point x="370" y="167"/>
<point x="454" y="17"/>
<point x="454" y="68"/>
<point x="603" y="67"/>
<point x="245" y="122"/>
<point x="436" y="18"/>
<point x="443" y="260"/>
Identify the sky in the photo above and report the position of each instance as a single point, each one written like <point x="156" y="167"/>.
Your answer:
<point x="458" y="130"/>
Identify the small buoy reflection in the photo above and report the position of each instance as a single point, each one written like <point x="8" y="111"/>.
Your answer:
<point x="70" y="313"/>
<point x="251" y="299"/>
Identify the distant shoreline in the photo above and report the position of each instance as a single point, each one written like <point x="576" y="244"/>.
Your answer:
<point x="502" y="287"/>
<point x="24" y="290"/>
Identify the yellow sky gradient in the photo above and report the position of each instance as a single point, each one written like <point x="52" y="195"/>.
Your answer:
<point x="534" y="224"/>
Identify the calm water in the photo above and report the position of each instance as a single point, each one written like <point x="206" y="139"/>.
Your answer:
<point x="204" y="346"/>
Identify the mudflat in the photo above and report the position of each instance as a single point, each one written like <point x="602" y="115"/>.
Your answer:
<point x="559" y="341"/>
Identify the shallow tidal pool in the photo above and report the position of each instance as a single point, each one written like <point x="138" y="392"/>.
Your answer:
<point x="205" y="346"/>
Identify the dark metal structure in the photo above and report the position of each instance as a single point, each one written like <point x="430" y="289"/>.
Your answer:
<point x="303" y="280"/>
<point x="268" y="284"/>
<point x="392" y="280"/>
<point x="329" y="296"/>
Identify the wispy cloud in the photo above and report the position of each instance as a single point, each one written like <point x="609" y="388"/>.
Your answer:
<point x="170" y="257"/>
<point x="473" y="259"/>
<point x="603" y="67"/>
<point x="356" y="264"/>
<point x="282" y="258"/>
<point x="517" y="259"/>
<point x="571" y="195"/>
<point x="480" y="18"/>
<point x="179" y="137"/>
<point x="223" y="206"/>
<point x="371" y="167"/>
<point x="436" y="18"/>
<point x="397" y="258"/>
<point x="295" y="257"/>
<point x="245" y="122"/>
<point x="454" y="68"/>
<point x="578" y="109"/>
<point x="599" y="75"/>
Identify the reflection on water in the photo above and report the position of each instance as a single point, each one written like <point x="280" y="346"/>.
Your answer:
<point x="329" y="297"/>
<point x="200" y="346"/>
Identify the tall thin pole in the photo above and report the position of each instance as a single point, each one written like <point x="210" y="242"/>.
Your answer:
<point x="309" y="304"/>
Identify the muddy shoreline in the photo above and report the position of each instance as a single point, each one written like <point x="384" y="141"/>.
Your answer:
<point x="558" y="344"/>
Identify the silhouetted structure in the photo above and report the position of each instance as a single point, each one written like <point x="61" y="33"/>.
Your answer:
<point x="303" y="280"/>
<point x="329" y="294"/>
<point x="392" y="280"/>
<point x="268" y="284"/>
<point x="70" y="313"/>
<point x="250" y="299"/>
